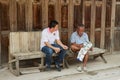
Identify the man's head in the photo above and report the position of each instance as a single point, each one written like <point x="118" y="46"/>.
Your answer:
<point x="53" y="25"/>
<point x="80" y="29"/>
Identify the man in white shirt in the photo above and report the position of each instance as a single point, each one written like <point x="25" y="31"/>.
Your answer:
<point x="78" y="39"/>
<point x="50" y="43"/>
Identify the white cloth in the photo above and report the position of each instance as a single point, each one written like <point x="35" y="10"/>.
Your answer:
<point x="84" y="50"/>
<point x="49" y="37"/>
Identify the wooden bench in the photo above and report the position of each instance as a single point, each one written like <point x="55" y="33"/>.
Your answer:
<point x="95" y="53"/>
<point x="24" y="46"/>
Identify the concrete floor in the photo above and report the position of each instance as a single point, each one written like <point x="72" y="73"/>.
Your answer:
<point x="97" y="70"/>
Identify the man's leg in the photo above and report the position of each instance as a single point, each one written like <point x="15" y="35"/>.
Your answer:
<point x="48" y="51"/>
<point x="85" y="61"/>
<point x="62" y="52"/>
<point x="74" y="48"/>
<point x="60" y="57"/>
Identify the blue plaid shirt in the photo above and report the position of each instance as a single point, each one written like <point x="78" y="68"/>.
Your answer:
<point x="75" y="38"/>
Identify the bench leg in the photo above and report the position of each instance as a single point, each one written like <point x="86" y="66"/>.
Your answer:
<point x="101" y="55"/>
<point x="41" y="66"/>
<point x="63" y="63"/>
<point x="17" y="68"/>
<point x="96" y="56"/>
<point x="66" y="63"/>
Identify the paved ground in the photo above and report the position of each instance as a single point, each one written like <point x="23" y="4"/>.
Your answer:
<point x="107" y="74"/>
<point x="97" y="70"/>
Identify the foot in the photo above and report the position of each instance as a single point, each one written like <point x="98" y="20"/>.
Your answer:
<point x="79" y="69"/>
<point x="85" y="69"/>
<point x="47" y="68"/>
<point x="58" y="67"/>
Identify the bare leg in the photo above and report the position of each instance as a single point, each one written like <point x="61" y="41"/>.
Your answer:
<point x="85" y="60"/>
<point x="74" y="48"/>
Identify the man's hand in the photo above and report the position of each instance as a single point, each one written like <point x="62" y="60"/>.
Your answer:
<point x="57" y="50"/>
<point x="65" y="47"/>
<point x="81" y="45"/>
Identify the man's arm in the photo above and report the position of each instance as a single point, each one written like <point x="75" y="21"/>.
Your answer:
<point x="77" y="45"/>
<point x="54" y="48"/>
<point x="61" y="44"/>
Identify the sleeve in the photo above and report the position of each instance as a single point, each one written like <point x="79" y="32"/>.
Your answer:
<point x="86" y="37"/>
<point x="44" y="37"/>
<point x="57" y="35"/>
<point x="72" y="38"/>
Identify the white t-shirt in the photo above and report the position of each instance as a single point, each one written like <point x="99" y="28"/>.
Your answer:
<point x="49" y="37"/>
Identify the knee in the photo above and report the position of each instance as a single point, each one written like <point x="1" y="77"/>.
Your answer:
<point x="50" y="51"/>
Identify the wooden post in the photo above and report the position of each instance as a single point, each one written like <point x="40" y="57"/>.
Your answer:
<point x="13" y="15"/>
<point x="45" y="13"/>
<point x="58" y="14"/>
<point x="0" y="49"/>
<point x="70" y="18"/>
<point x="103" y="15"/>
<point x="112" y="26"/>
<point x="29" y="15"/>
<point x="0" y="38"/>
<point x="83" y="11"/>
<point x="92" y="28"/>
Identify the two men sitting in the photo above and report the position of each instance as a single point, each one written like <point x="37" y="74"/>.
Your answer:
<point x="50" y="43"/>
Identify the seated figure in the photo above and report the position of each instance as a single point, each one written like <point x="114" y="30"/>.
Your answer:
<point x="77" y="41"/>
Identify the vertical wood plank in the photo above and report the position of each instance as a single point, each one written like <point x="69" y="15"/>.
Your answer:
<point x="13" y="15"/>
<point x="44" y="13"/>
<point x="29" y="15"/>
<point x="24" y="42"/>
<point x="14" y="42"/>
<point x="83" y="11"/>
<point x="21" y="25"/>
<point x="58" y="13"/>
<point x="70" y="18"/>
<point x="31" y="41"/>
<point x="0" y="38"/>
<point x="103" y="15"/>
<point x="92" y="28"/>
<point x="37" y="36"/>
<point x="0" y="50"/>
<point x="112" y="25"/>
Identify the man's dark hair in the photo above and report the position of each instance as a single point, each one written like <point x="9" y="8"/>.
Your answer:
<point x="53" y="23"/>
<point x="80" y="25"/>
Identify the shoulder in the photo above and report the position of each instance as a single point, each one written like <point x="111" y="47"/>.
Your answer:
<point x="57" y="31"/>
<point x="85" y="34"/>
<point x="74" y="33"/>
<point x="45" y="30"/>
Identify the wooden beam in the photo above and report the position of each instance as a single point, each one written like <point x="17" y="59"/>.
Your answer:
<point x="112" y="26"/>
<point x="118" y="3"/>
<point x="44" y="13"/>
<point x="70" y="18"/>
<point x="13" y="15"/>
<point x="92" y="28"/>
<point x="29" y="15"/>
<point x="103" y="17"/>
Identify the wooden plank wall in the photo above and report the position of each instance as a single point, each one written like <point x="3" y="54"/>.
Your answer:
<point x="0" y="38"/>
<point x="4" y="30"/>
<point x="99" y="17"/>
